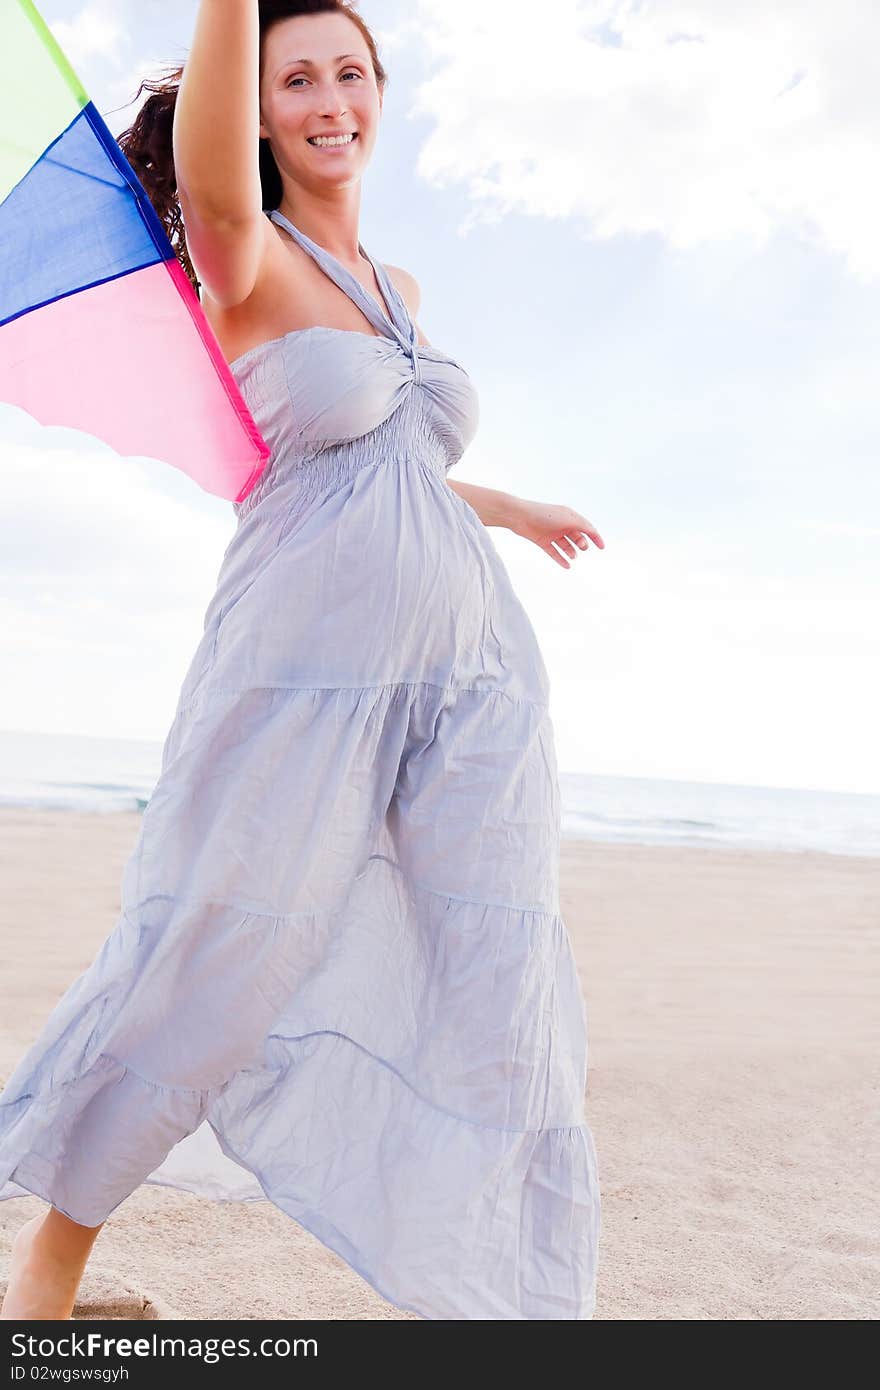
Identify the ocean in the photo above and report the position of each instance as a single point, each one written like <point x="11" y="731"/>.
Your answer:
<point x="70" y="772"/>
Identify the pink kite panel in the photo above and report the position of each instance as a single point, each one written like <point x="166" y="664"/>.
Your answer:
<point x="131" y="362"/>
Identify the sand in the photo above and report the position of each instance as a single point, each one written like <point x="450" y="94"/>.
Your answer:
<point x="732" y="1005"/>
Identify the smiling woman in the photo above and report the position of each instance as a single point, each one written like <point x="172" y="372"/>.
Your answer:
<point x="340" y="966"/>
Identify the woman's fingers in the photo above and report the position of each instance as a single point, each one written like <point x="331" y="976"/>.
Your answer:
<point x="590" y="530"/>
<point x="554" y="553"/>
<point x="578" y="537"/>
<point x="571" y="538"/>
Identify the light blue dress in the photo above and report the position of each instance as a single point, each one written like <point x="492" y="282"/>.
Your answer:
<point x="340" y="978"/>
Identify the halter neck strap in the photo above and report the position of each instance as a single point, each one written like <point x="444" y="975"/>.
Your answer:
<point x="394" y="321"/>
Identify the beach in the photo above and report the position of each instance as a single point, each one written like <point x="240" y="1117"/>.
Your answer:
<point x="732" y="1089"/>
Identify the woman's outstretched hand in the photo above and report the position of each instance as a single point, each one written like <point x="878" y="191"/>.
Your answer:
<point x="548" y="526"/>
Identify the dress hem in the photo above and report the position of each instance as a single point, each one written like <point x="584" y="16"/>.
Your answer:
<point x="36" y="1191"/>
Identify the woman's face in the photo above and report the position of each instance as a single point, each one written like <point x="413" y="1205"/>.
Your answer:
<point x="317" y="76"/>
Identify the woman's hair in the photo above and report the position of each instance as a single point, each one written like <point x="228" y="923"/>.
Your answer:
<point x="148" y="142"/>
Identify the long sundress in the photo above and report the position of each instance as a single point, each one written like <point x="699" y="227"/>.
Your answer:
<point x="340" y="966"/>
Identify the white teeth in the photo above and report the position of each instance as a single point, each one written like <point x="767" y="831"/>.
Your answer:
<point x="321" y="140"/>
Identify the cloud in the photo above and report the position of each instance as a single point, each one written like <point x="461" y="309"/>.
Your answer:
<point x="82" y="521"/>
<point x="98" y="30"/>
<point x="660" y="669"/>
<point x="687" y="120"/>
<point x="105" y="581"/>
<point x="840" y="528"/>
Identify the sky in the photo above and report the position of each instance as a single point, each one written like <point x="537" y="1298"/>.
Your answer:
<point x="651" y="233"/>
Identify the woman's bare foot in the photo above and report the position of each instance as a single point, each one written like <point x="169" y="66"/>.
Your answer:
<point x="49" y="1254"/>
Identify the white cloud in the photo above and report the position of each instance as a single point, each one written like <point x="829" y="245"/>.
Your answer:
<point x="98" y="30"/>
<point x="105" y="582"/>
<point x="661" y="670"/>
<point x="685" y="119"/>
<point x="839" y="528"/>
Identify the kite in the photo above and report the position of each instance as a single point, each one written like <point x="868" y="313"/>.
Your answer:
<point x="100" y="327"/>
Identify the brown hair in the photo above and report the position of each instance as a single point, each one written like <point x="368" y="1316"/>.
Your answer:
<point x="148" y="142"/>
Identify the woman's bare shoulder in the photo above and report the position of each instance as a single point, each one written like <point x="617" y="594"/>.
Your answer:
<point x="408" y="286"/>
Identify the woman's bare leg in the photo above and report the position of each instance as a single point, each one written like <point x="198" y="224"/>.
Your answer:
<point x="49" y="1254"/>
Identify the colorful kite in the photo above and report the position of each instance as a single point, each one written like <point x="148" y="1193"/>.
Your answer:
<point x="100" y="328"/>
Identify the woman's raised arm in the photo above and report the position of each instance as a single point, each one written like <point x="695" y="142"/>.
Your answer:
<point x="216" y="149"/>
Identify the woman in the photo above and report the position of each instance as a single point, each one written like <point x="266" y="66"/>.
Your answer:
<point x="340" y="948"/>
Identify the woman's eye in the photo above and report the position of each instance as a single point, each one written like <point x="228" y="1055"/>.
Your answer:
<point x="352" y="72"/>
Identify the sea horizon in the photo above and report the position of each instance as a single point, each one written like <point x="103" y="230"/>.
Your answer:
<point x="75" y="772"/>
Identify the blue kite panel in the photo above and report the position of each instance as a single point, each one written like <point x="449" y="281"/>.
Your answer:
<point x="79" y="217"/>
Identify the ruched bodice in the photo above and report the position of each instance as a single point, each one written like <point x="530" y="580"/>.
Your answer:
<point x="316" y="389"/>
